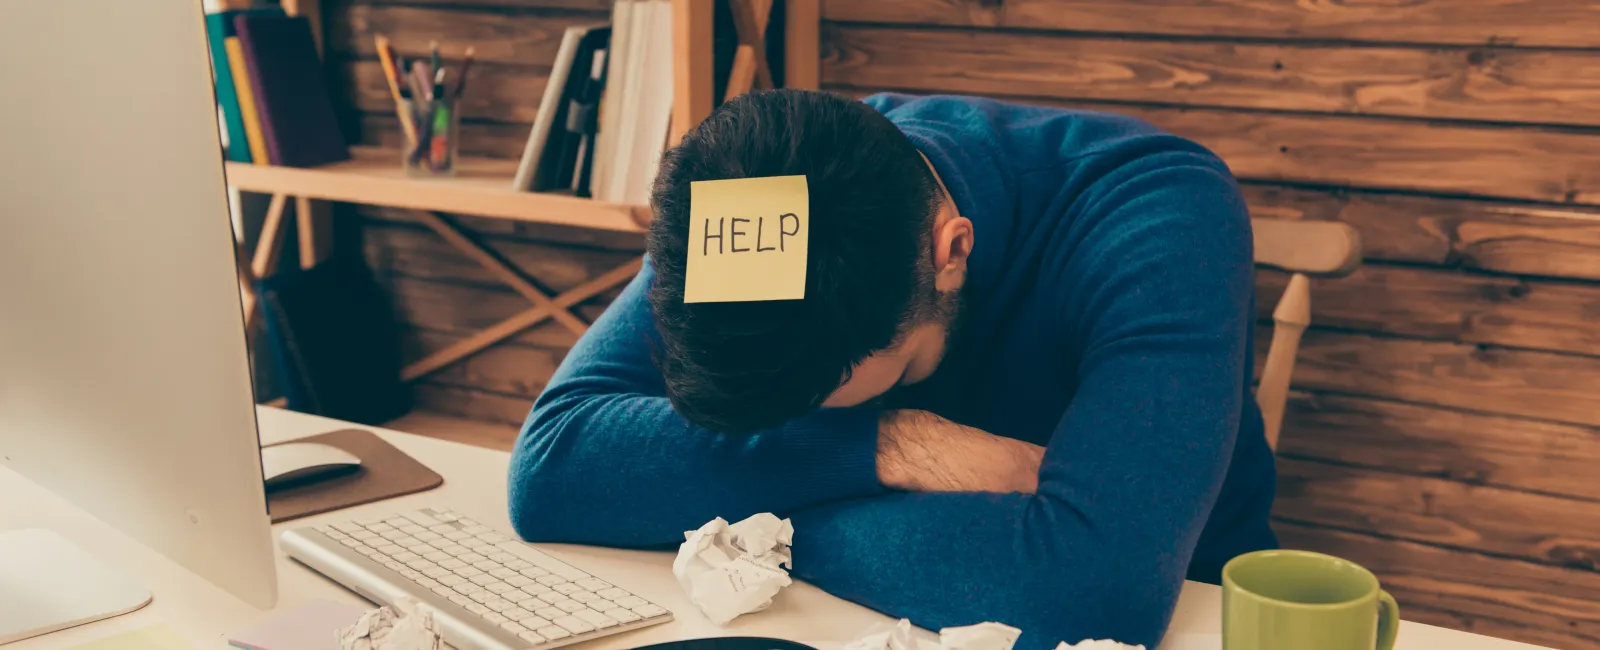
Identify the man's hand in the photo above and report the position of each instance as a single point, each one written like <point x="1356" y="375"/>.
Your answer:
<point x="922" y="452"/>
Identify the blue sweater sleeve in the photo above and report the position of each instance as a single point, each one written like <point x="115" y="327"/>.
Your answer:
<point x="1158" y="293"/>
<point x="604" y="459"/>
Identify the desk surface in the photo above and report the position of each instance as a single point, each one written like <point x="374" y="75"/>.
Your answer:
<point x="475" y="486"/>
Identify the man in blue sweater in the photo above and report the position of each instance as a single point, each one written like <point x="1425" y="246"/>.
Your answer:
<point x="1017" y="388"/>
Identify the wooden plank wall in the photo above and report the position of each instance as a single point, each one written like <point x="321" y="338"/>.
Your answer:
<point x="1446" y="426"/>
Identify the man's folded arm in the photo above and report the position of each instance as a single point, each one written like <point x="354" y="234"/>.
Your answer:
<point x="1128" y="479"/>
<point x="604" y="459"/>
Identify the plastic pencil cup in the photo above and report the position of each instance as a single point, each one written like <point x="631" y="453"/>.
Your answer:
<point x="431" y="147"/>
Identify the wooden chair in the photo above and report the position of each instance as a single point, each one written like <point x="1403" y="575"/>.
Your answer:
<point x="1321" y="248"/>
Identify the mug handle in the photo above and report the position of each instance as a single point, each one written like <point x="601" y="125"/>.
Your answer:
<point x="1388" y="620"/>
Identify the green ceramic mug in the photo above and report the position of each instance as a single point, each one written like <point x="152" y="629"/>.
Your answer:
<point x="1299" y="600"/>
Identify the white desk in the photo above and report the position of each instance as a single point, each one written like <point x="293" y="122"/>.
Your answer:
<point x="475" y="485"/>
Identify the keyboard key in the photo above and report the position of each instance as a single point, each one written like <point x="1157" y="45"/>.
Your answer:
<point x="552" y="632"/>
<point x="411" y="529"/>
<point x="533" y="637"/>
<point x="379" y="527"/>
<point x="502" y="572"/>
<point x="406" y="557"/>
<point x="473" y="543"/>
<point x="393" y="535"/>
<point x="530" y="570"/>
<point x="420" y="518"/>
<point x="446" y="515"/>
<point x="415" y="545"/>
<point x="451" y="580"/>
<point x="420" y="564"/>
<point x="649" y="611"/>
<point x="470" y="558"/>
<point x="495" y="618"/>
<point x="551" y="597"/>
<point x="630" y="602"/>
<point x="567" y="588"/>
<point x="596" y="618"/>
<point x="483" y="565"/>
<point x="550" y="613"/>
<point x="427" y="536"/>
<point x="442" y="590"/>
<point x="520" y="614"/>
<point x="570" y="606"/>
<point x="457" y="550"/>
<point x="514" y="627"/>
<point x="393" y="565"/>
<point x="410" y="574"/>
<point x="604" y="605"/>
<point x="436" y="572"/>
<point x="467" y="572"/>
<point x="437" y="556"/>
<point x="517" y="596"/>
<point x="623" y="615"/>
<point x="574" y="624"/>
<point x="482" y="597"/>
<point x="451" y="563"/>
<point x="499" y="588"/>
<point x="460" y="600"/>
<point x="500" y="604"/>
<point x="346" y="527"/>
<point x="442" y="528"/>
<point x="478" y="529"/>
<point x="511" y="561"/>
<point x="351" y="542"/>
<point x="583" y="596"/>
<point x="396" y="521"/>
<point x="594" y="584"/>
<point x="613" y="593"/>
<point x="336" y="534"/>
<point x="491" y="538"/>
<point x="367" y="551"/>
<point x="478" y="609"/>
<point x="483" y="579"/>
<point x="537" y="589"/>
<point x="364" y="535"/>
<point x="425" y="581"/>
<point x="548" y="580"/>
<point x="548" y="563"/>
<point x="518" y="580"/>
<point x="369" y="521"/>
<point x="457" y="535"/>
<point x="468" y="589"/>
<point x="390" y="550"/>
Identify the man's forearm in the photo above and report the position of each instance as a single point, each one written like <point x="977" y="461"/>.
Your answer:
<point x="922" y="452"/>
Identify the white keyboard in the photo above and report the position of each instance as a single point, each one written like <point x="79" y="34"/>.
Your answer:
<point x="487" y="590"/>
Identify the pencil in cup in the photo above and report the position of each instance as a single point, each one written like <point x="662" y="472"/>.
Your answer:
<point x="435" y="149"/>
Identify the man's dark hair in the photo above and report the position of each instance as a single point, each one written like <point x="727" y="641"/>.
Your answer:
<point x="744" y="366"/>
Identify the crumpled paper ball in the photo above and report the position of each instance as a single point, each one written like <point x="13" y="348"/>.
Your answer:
<point x="405" y="626"/>
<point x="901" y="636"/>
<point x="730" y="570"/>
<point x="1098" y="644"/>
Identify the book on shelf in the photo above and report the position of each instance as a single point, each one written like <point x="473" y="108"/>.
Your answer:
<point x="219" y="27"/>
<point x="549" y="157"/>
<point x="297" y="116"/>
<point x="246" y="94"/>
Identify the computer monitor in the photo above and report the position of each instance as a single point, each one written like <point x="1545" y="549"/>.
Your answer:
<point x="124" y="378"/>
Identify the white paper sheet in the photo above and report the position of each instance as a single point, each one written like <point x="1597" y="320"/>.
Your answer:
<point x="732" y="570"/>
<point x="983" y="636"/>
<point x="402" y="627"/>
<point x="1098" y="644"/>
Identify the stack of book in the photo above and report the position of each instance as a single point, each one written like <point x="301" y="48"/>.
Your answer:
<point x="273" y="102"/>
<point x="605" y="115"/>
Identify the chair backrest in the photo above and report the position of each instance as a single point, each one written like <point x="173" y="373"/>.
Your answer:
<point x="1321" y="248"/>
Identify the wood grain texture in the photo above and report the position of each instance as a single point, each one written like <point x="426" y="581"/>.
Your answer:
<point x="497" y="93"/>
<point x="1535" y="164"/>
<point x="1556" y="87"/>
<point x="1441" y="512"/>
<point x="582" y="240"/>
<point x="1571" y="23"/>
<point x="478" y="138"/>
<point x="1469" y="448"/>
<point x="1452" y="306"/>
<point x="467" y="309"/>
<point x="497" y="5"/>
<point x="413" y="253"/>
<point x="511" y="368"/>
<point x="1538" y="385"/>
<point x="1524" y="601"/>
<point x="472" y="403"/>
<point x="519" y="38"/>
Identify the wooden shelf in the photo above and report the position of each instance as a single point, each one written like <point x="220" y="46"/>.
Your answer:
<point x="481" y="187"/>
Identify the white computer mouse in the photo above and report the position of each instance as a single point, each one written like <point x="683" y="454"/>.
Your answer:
<point x="298" y="462"/>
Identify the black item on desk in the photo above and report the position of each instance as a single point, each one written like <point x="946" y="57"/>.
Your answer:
<point x="729" y="643"/>
<point x="332" y="335"/>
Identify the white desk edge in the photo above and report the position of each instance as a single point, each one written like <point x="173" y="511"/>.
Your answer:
<point x="475" y="486"/>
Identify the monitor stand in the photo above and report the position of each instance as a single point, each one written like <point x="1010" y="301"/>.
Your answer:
<point x="47" y="583"/>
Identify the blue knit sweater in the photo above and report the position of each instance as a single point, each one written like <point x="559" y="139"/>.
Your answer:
<point x="1109" y="318"/>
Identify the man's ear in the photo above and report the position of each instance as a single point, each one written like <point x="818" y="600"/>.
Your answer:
<point x="952" y="244"/>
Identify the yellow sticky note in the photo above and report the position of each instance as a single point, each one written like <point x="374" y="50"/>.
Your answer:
<point x="155" y="637"/>
<point x="747" y="239"/>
